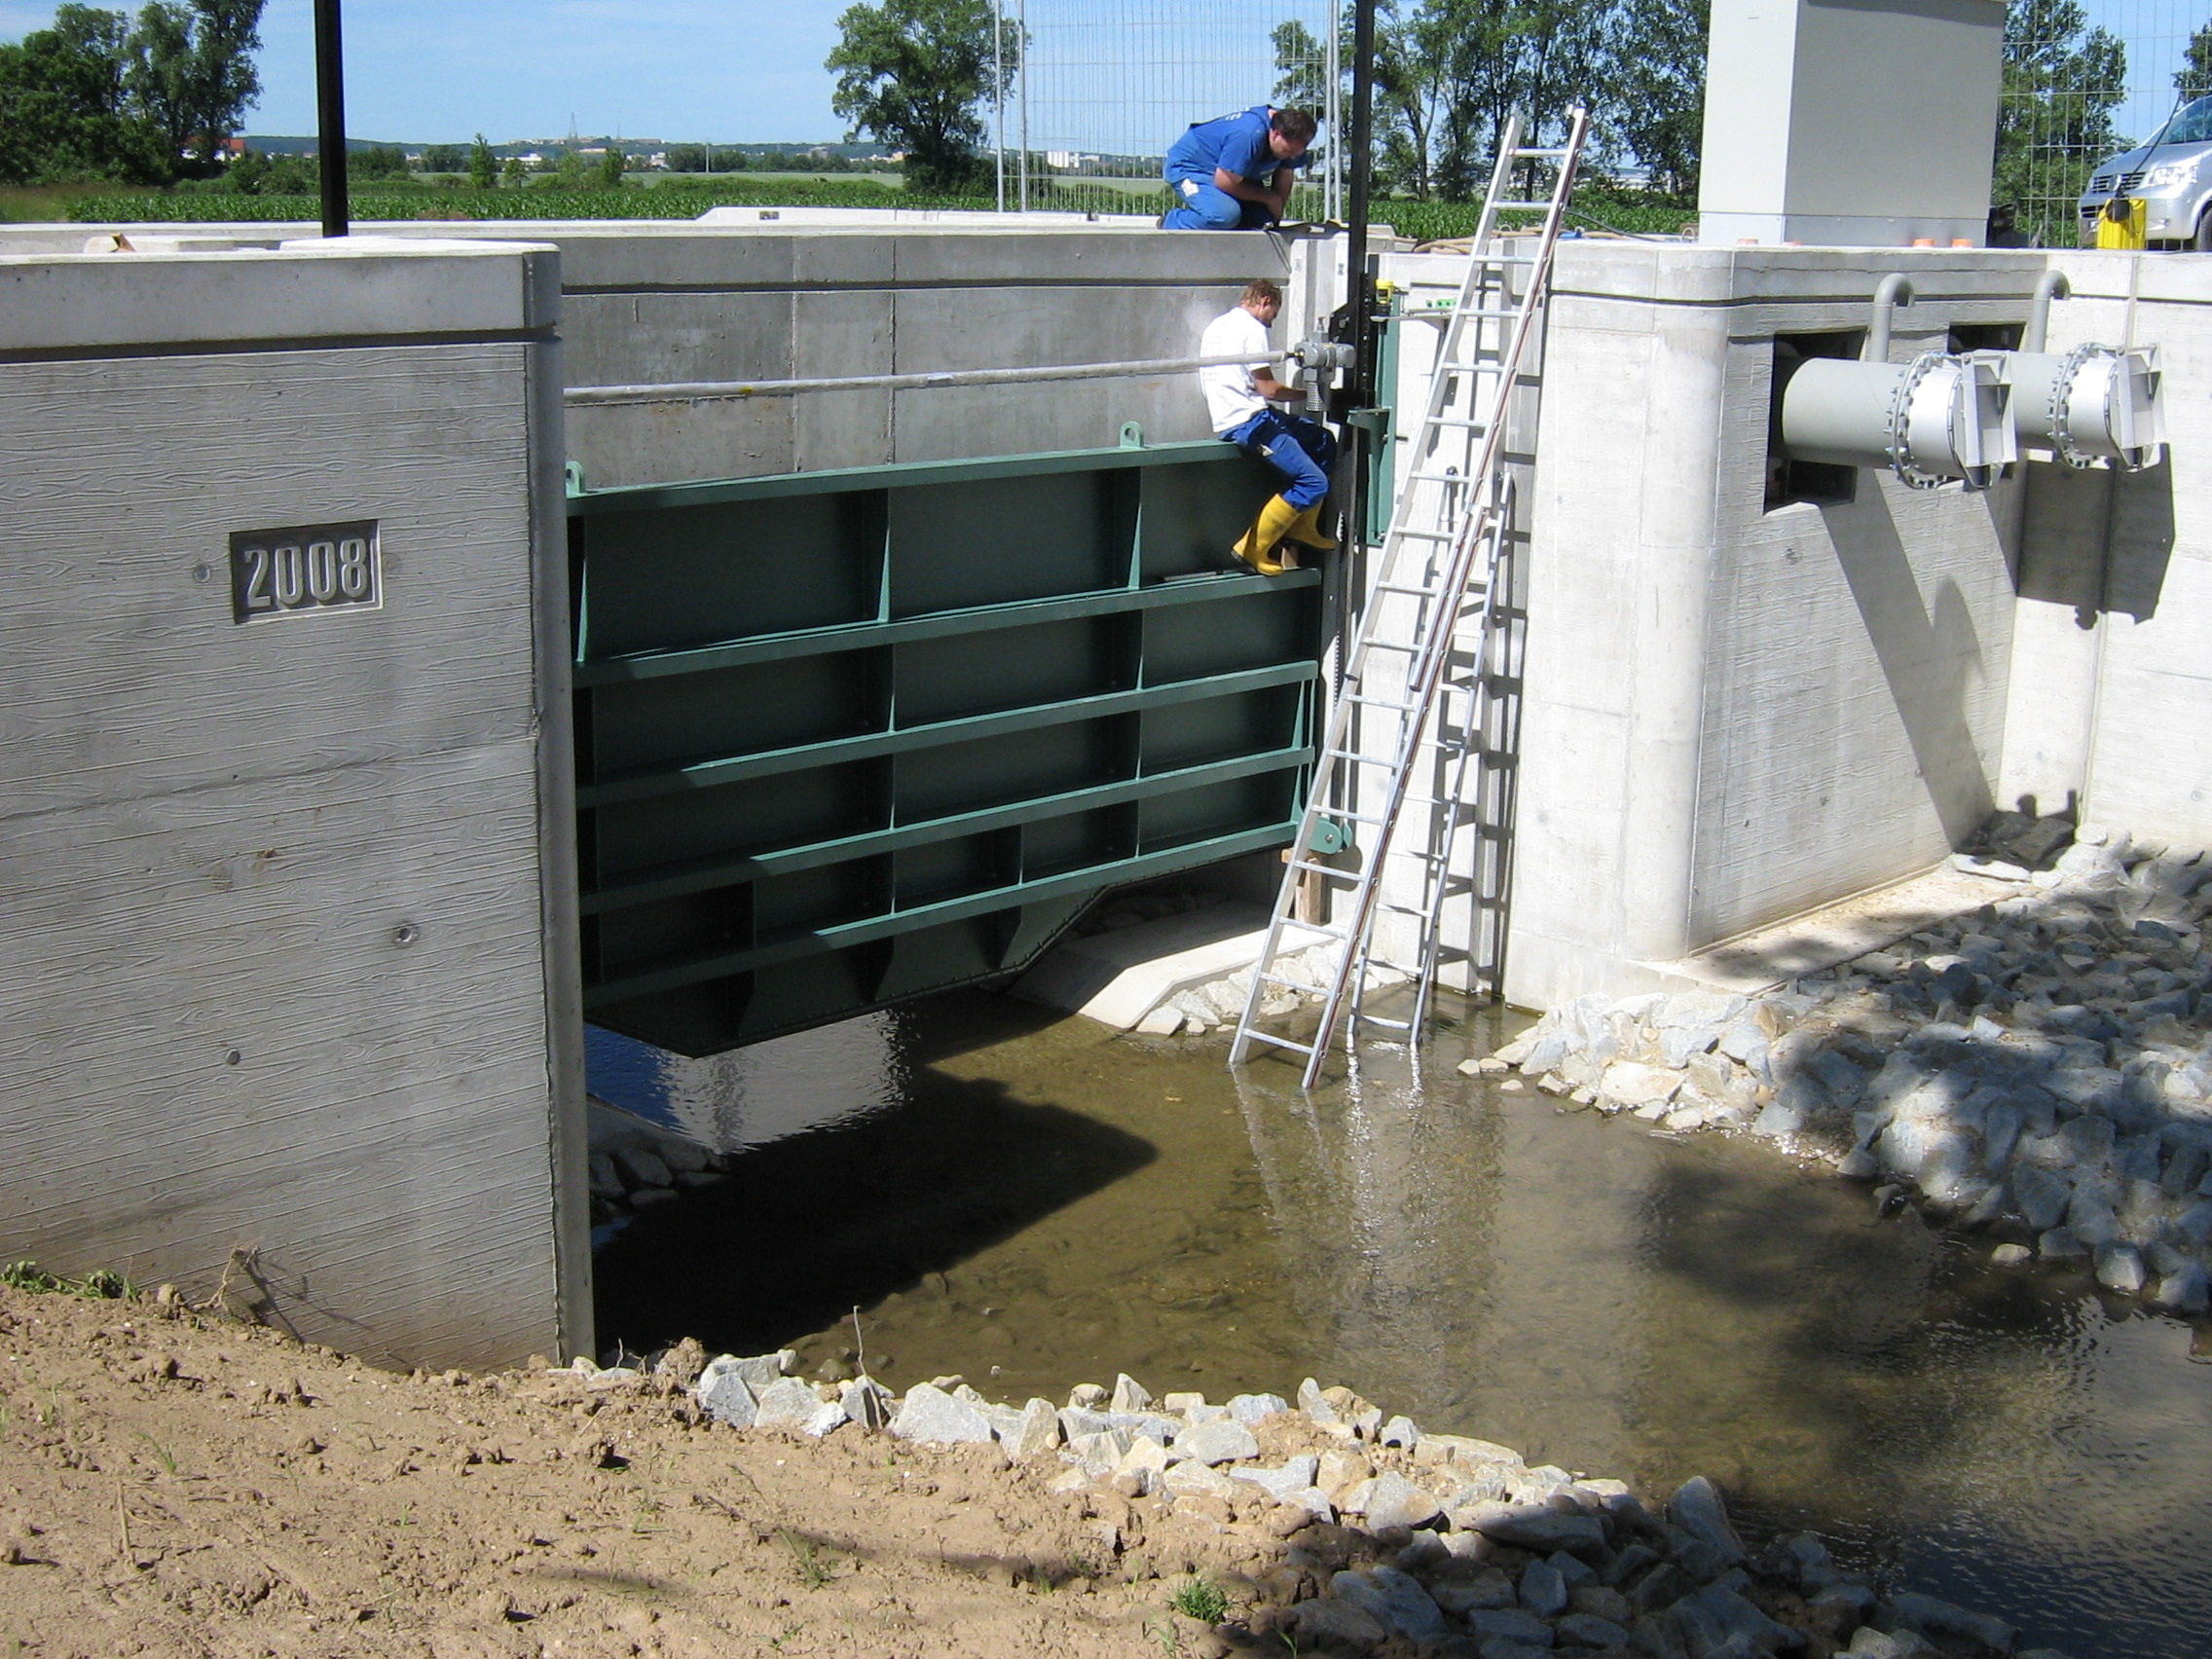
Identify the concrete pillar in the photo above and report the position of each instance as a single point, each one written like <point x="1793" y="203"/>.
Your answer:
<point x="287" y="919"/>
<point x="1831" y="122"/>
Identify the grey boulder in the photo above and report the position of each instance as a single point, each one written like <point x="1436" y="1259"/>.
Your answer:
<point x="1393" y="1598"/>
<point x="931" y="1416"/>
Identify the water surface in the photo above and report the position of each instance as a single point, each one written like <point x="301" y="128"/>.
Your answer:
<point x="1034" y="1202"/>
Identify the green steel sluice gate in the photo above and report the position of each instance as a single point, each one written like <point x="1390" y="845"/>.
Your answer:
<point x="845" y="738"/>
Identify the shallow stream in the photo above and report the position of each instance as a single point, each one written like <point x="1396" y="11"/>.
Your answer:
<point x="1033" y="1201"/>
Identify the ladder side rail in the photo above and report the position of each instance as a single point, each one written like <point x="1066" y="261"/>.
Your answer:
<point x="1457" y="808"/>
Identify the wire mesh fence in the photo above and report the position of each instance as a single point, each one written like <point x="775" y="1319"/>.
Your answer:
<point x="1098" y="89"/>
<point x="2086" y="80"/>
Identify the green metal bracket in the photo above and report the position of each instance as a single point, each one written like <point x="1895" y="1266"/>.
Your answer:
<point x="575" y="476"/>
<point x="1132" y="435"/>
<point x="1329" y="836"/>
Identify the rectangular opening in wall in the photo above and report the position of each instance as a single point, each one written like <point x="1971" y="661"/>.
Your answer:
<point x="1791" y="481"/>
<point x="1986" y="336"/>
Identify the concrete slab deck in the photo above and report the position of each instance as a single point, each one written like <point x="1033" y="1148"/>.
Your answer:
<point x="1837" y="932"/>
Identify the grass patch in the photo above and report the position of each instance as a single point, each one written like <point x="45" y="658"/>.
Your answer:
<point x="1200" y="1599"/>
<point x="102" y="1285"/>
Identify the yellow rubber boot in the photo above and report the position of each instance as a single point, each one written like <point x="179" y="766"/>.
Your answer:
<point x="1306" y="529"/>
<point x="1257" y="546"/>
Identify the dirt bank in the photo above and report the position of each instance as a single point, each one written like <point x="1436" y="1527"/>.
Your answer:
<point x="171" y="1483"/>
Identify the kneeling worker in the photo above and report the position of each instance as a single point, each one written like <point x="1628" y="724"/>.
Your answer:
<point x="1302" y="450"/>
<point x="1235" y="173"/>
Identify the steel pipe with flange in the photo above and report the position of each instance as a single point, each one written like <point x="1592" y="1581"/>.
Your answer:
<point x="1938" y="419"/>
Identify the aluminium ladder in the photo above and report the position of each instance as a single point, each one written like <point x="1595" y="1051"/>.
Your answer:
<point x="1437" y="575"/>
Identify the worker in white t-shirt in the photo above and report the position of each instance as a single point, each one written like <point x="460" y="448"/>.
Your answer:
<point x="1302" y="450"/>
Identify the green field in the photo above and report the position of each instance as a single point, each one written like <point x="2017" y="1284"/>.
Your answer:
<point x="686" y="195"/>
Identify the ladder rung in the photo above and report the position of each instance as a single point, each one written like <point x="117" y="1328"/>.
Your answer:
<point x="1424" y="534"/>
<point x="1329" y="871"/>
<point x="1254" y="1034"/>
<point x="1502" y="312"/>
<point x="1541" y="155"/>
<point x="1523" y="206"/>
<point x="1404" y="587"/>
<point x="1442" y="477"/>
<point x="1310" y="927"/>
<point x="1466" y="421"/>
<point x="1359" y="700"/>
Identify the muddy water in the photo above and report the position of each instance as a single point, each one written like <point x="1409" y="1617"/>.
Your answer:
<point x="1034" y="1202"/>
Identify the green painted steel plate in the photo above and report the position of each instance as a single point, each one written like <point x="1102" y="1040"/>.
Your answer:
<point x="846" y="738"/>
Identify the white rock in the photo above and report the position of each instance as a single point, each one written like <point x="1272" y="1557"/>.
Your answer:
<point x="1294" y="1477"/>
<point x="1130" y="1395"/>
<point x="935" y="1417"/>
<point x="1249" y="1409"/>
<point x="1040" y="1430"/>
<point x="1635" y="1085"/>
<point x="1223" y="1442"/>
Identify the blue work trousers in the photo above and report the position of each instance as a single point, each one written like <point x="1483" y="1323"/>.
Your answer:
<point x="1201" y="205"/>
<point x="1302" y="450"/>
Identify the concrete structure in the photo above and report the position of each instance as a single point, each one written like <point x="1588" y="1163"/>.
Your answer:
<point x="287" y="930"/>
<point x="1751" y="693"/>
<point x="851" y="292"/>
<point x="1834" y="121"/>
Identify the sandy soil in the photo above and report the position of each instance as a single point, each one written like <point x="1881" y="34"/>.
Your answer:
<point x="175" y="1484"/>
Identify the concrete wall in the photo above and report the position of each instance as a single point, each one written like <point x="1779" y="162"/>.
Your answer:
<point x="2112" y="673"/>
<point x="869" y="293"/>
<point x="287" y="955"/>
<point x="1839" y="121"/>
<point x="1736" y="714"/>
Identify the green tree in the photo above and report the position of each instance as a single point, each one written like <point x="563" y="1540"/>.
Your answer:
<point x="483" y="165"/>
<point x="192" y="72"/>
<point x="912" y="74"/>
<point x="1497" y="56"/>
<point x="376" y="161"/>
<point x="2193" y="79"/>
<point x="1655" y="89"/>
<point x="610" y="166"/>
<point x="444" y="159"/>
<point x="2062" y="82"/>
<point x="66" y="107"/>
<point x="687" y="158"/>
<point x="513" y="171"/>
<point x="1301" y="66"/>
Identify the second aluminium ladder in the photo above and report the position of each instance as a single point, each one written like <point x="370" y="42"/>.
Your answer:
<point x="1440" y="560"/>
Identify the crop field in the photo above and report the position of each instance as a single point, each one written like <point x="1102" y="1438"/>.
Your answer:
<point x="1599" y="210"/>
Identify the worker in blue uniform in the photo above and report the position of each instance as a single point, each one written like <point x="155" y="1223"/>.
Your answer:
<point x="1236" y="172"/>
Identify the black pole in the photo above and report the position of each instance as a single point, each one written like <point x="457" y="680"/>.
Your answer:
<point x="1362" y="142"/>
<point x="330" y="107"/>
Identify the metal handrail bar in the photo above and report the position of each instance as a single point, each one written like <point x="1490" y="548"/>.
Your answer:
<point x="702" y="392"/>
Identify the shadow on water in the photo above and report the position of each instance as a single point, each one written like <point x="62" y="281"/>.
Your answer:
<point x="810" y="1225"/>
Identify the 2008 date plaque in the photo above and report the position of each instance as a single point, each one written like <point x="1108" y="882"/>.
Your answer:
<point x="304" y="568"/>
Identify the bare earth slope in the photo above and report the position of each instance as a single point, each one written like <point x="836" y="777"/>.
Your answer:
<point x="176" y="1485"/>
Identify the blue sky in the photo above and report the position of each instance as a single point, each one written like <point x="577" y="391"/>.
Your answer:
<point x="727" y="69"/>
<point x="738" y="70"/>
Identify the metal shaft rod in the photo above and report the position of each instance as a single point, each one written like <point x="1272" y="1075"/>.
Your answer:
<point x="703" y="391"/>
<point x="330" y="116"/>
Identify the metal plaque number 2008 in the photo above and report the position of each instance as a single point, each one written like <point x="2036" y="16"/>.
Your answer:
<point x="305" y="567"/>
